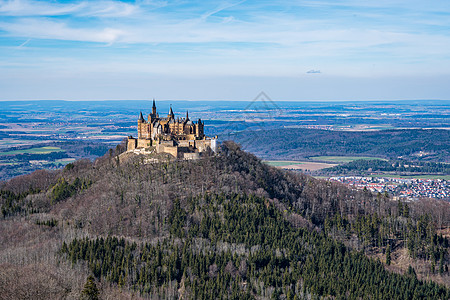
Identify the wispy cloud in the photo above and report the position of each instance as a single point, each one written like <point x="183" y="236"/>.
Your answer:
<point x="23" y="44"/>
<point x="29" y="8"/>
<point x="59" y="30"/>
<point x="220" y="8"/>
<point x="36" y="8"/>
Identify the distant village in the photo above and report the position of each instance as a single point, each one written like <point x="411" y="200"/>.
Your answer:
<point x="400" y="188"/>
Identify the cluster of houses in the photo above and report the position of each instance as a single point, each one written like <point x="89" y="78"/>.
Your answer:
<point x="400" y="188"/>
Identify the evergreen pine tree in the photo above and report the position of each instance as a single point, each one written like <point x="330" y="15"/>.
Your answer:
<point x="388" y="255"/>
<point x="90" y="290"/>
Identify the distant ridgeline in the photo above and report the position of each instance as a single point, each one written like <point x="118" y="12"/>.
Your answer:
<point x="179" y="137"/>
<point x="301" y="143"/>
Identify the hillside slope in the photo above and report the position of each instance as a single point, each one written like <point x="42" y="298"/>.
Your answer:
<point x="226" y="226"/>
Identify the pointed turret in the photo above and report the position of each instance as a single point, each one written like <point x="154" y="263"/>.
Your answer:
<point x="154" y="107"/>
<point x="187" y="115"/>
<point x="171" y="114"/>
<point x="141" y="117"/>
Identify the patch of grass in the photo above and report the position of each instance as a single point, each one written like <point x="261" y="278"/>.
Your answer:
<point x="282" y="163"/>
<point x="40" y="150"/>
<point x="63" y="161"/>
<point x="343" y="159"/>
<point x="13" y="142"/>
<point x="8" y="163"/>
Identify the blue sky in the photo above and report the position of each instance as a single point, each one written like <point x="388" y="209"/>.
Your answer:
<point x="225" y="50"/>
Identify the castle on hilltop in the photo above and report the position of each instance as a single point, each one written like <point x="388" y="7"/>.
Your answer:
<point x="180" y="137"/>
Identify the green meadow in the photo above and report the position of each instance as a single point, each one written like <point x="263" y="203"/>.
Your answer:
<point x="342" y="159"/>
<point x="282" y="163"/>
<point x="39" y="150"/>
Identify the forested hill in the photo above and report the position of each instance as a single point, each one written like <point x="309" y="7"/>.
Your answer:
<point x="299" y="143"/>
<point x="225" y="226"/>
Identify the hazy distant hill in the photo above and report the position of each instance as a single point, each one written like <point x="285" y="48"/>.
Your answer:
<point x="226" y="226"/>
<point x="298" y="143"/>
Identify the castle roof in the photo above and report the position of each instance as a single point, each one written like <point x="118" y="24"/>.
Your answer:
<point x="141" y="117"/>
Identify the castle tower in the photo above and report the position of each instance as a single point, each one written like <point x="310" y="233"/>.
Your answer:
<point x="141" y="122"/>
<point x="199" y="128"/>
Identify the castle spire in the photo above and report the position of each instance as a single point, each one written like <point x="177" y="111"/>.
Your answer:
<point x="154" y="108"/>
<point x="141" y="117"/>
<point x="187" y="115"/>
<point x="171" y="114"/>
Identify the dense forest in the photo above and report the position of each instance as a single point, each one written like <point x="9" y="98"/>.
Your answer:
<point x="225" y="226"/>
<point x="300" y="143"/>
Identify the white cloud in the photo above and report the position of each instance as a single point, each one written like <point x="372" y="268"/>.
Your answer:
<point x="29" y="8"/>
<point x="48" y="29"/>
<point x="35" y="8"/>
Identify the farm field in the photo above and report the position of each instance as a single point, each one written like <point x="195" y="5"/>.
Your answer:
<point x="39" y="150"/>
<point x="2" y="163"/>
<point x="299" y="165"/>
<point x="62" y="162"/>
<point x="282" y="163"/>
<point x="7" y="143"/>
<point x="342" y="159"/>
